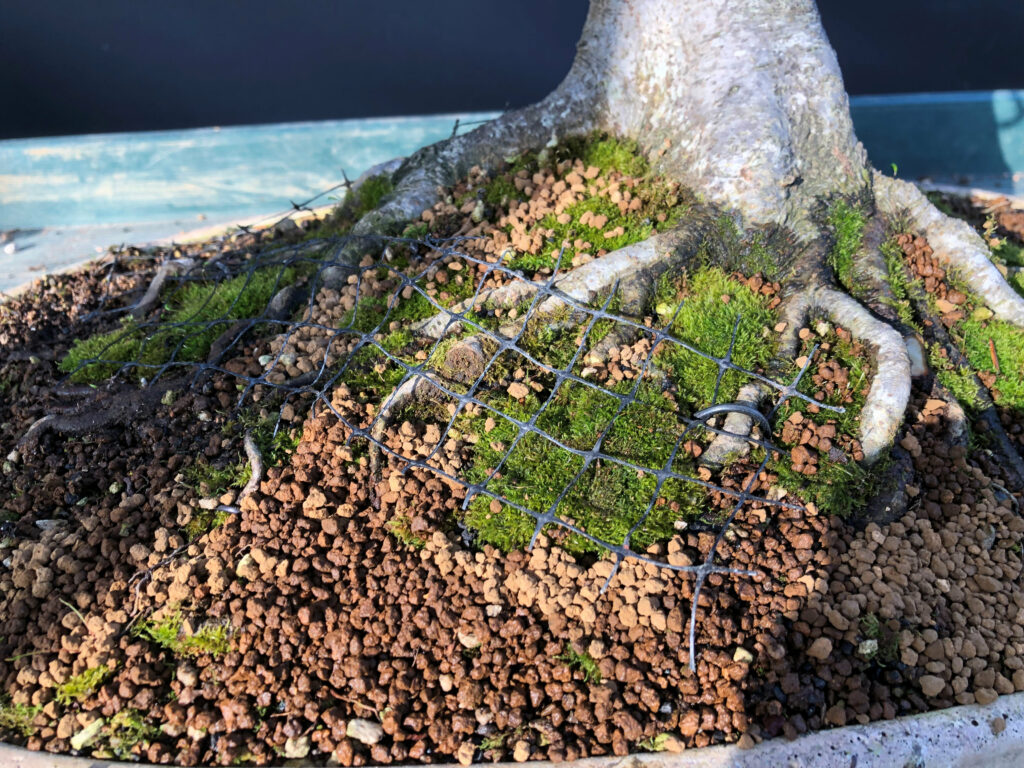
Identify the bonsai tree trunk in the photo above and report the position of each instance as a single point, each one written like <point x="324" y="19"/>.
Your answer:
<point x="743" y="102"/>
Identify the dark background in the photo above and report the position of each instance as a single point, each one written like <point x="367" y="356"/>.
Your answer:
<point x="68" y="66"/>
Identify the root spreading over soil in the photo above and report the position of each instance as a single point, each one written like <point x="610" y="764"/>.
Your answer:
<point x="148" y="610"/>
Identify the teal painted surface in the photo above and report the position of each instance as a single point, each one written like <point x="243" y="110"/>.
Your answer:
<point x="974" y="138"/>
<point x="216" y="173"/>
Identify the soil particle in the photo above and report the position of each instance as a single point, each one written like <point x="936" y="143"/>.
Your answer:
<point x="820" y="648"/>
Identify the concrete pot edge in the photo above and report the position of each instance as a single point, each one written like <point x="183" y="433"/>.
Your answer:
<point x="959" y="737"/>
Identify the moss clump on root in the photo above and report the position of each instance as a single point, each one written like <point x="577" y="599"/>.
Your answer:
<point x="847" y="224"/>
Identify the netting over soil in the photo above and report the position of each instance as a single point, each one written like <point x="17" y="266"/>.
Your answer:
<point x="211" y="306"/>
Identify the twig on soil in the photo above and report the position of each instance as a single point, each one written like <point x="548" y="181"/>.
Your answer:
<point x="167" y="269"/>
<point x="252" y="452"/>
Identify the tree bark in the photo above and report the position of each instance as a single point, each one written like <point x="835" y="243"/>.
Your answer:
<point x="742" y="100"/>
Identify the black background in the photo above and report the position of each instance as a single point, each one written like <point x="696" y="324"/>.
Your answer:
<point x="68" y="66"/>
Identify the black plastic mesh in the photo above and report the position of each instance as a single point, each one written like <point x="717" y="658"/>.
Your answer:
<point x="319" y="258"/>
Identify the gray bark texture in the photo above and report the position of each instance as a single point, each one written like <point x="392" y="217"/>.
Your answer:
<point x="743" y="102"/>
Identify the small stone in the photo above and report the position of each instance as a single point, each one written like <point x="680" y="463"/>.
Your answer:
<point x="366" y="731"/>
<point x="187" y="675"/>
<point x="468" y="639"/>
<point x="746" y="741"/>
<point x="247" y="568"/>
<point x="998" y="725"/>
<point x="742" y="655"/>
<point x="446" y="682"/>
<point x="464" y="754"/>
<point x="931" y="685"/>
<point x="868" y="648"/>
<point x="985" y="696"/>
<point x="820" y="649"/>
<point x="87" y="735"/>
<point x="836" y="715"/>
<point x="850" y="608"/>
<point x="521" y="751"/>
<point x="518" y="390"/>
<point x="987" y="583"/>
<point x="296" y="748"/>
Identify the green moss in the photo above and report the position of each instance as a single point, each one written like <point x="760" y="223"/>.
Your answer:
<point x="1009" y="253"/>
<point x="416" y="231"/>
<point x="847" y="223"/>
<point x="18" y="718"/>
<point x="81" y="686"/>
<point x="124" y="731"/>
<point x="584" y="662"/>
<point x="899" y="282"/>
<point x="203" y="521"/>
<point x="655" y="743"/>
<point x="838" y="487"/>
<point x="1008" y="340"/>
<point x="611" y="154"/>
<point x="194" y="316"/>
<point x="501" y="190"/>
<point x="401" y="530"/>
<point x="608" y="499"/>
<point x="706" y="322"/>
<point x="371" y="192"/>
<point x="959" y="381"/>
<point x="213" y="639"/>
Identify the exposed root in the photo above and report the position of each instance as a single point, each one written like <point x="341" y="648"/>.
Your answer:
<point x="226" y="341"/>
<point x="100" y="412"/>
<point x="420" y="180"/>
<point x="635" y="295"/>
<point x="870" y="274"/>
<point x="466" y="360"/>
<point x="955" y="244"/>
<point x="152" y="294"/>
<point x="412" y="390"/>
<point x="734" y="440"/>
<point x="643" y="261"/>
<point x="986" y="413"/>
<point x="886" y="402"/>
<point x="252" y="453"/>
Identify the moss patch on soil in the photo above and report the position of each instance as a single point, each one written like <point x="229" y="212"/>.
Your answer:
<point x="194" y="315"/>
<point x="81" y="685"/>
<point x="169" y="632"/>
<point x="823" y="465"/>
<point x="610" y="500"/>
<point x="624" y="202"/>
